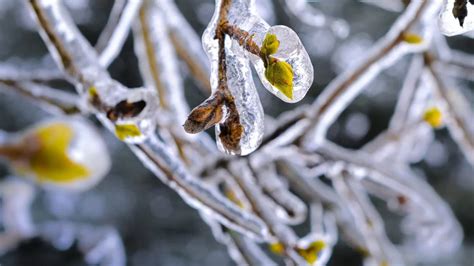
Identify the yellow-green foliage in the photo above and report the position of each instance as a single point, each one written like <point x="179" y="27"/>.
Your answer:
<point x="310" y="254"/>
<point x="50" y="162"/>
<point x="278" y="73"/>
<point x="127" y="131"/>
<point x="412" y="38"/>
<point x="433" y="117"/>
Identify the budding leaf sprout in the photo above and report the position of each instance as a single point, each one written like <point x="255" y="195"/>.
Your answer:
<point x="412" y="38"/>
<point x="310" y="254"/>
<point x="126" y="131"/>
<point x="277" y="248"/>
<point x="433" y="117"/>
<point x="278" y="73"/>
<point x="49" y="161"/>
<point x="270" y="45"/>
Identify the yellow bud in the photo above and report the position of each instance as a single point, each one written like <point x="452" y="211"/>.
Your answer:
<point x="93" y="92"/>
<point x="412" y="38"/>
<point x="127" y="131"/>
<point x="232" y="197"/>
<point x="433" y="117"/>
<point x="277" y="248"/>
<point x="270" y="45"/>
<point x="310" y="254"/>
<point x="280" y="75"/>
<point x="50" y="161"/>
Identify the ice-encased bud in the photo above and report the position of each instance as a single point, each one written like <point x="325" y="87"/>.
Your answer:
<point x="243" y="16"/>
<point x="132" y="111"/>
<point x="65" y="153"/>
<point x="456" y="20"/>
<point x="291" y="51"/>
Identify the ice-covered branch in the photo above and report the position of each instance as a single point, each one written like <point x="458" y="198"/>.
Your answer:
<point x="75" y="55"/>
<point x="457" y="109"/>
<point x="115" y="33"/>
<point x="56" y="101"/>
<point x="340" y="92"/>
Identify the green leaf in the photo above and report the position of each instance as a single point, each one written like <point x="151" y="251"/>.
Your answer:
<point x="125" y="131"/>
<point x="270" y="45"/>
<point x="433" y="117"/>
<point x="51" y="162"/>
<point x="310" y="254"/>
<point x="280" y="75"/>
<point x="412" y="38"/>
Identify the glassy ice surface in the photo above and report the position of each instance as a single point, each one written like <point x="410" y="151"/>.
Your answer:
<point x="441" y="176"/>
<point x="240" y="82"/>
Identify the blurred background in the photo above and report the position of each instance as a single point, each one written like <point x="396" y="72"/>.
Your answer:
<point x="157" y="227"/>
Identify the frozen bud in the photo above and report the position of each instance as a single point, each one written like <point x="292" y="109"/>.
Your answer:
<point x="127" y="131"/>
<point x="433" y="117"/>
<point x="277" y="248"/>
<point x="132" y="111"/>
<point x="280" y="75"/>
<point x="205" y="115"/>
<point x="412" y="38"/>
<point x="310" y="252"/>
<point x="270" y="45"/>
<point x="62" y="153"/>
<point x="295" y="66"/>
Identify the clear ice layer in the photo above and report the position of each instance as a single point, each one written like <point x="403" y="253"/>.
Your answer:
<point x="242" y="14"/>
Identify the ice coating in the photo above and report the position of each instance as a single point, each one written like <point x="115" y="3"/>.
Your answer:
<point x="112" y="93"/>
<point x="240" y="83"/>
<point x="78" y="59"/>
<point x="450" y="25"/>
<point x="242" y="14"/>
<point x="291" y="50"/>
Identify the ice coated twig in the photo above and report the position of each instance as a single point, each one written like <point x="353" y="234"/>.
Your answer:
<point x="187" y="44"/>
<point x="56" y="101"/>
<point x="281" y="234"/>
<point x="115" y="33"/>
<point x="457" y="110"/>
<point x="340" y="92"/>
<point x="242" y="250"/>
<point x="367" y="220"/>
<point x="77" y="57"/>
